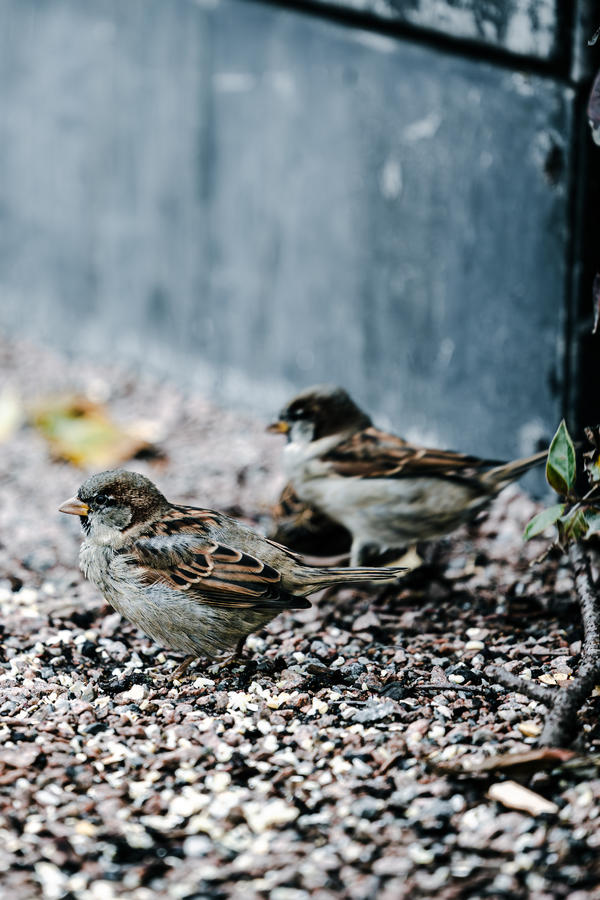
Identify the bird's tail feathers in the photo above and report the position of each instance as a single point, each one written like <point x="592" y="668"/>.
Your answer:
<point x="321" y="578"/>
<point x="506" y="472"/>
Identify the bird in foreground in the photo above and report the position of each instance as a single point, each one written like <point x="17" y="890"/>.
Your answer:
<point x="194" y="580"/>
<point x="387" y="492"/>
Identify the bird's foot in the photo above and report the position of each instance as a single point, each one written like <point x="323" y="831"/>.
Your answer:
<point x="238" y="655"/>
<point x="181" y="669"/>
<point x="217" y="667"/>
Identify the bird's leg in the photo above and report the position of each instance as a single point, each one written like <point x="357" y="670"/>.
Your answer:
<point x="183" y="667"/>
<point x="363" y="553"/>
<point x="356" y="553"/>
<point x="238" y="653"/>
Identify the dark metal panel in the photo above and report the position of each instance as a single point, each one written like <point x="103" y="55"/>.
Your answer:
<point x="539" y="29"/>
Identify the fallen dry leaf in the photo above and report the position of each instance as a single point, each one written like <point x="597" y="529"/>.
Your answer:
<point x="525" y="763"/>
<point x="530" y="729"/>
<point x="81" y="431"/>
<point x="516" y="796"/>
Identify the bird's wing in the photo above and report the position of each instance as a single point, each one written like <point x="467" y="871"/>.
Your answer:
<point x="375" y="454"/>
<point x="181" y="552"/>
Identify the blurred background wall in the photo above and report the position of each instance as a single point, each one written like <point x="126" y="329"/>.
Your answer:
<point x="255" y="197"/>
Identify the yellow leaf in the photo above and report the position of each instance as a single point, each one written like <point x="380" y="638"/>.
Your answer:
<point x="81" y="431"/>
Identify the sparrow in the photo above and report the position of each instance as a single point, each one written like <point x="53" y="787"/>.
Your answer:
<point x="387" y="492"/>
<point x="194" y="580"/>
<point x="305" y="529"/>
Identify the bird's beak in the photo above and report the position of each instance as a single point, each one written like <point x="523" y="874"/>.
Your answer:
<point x="279" y="427"/>
<point x="75" y="507"/>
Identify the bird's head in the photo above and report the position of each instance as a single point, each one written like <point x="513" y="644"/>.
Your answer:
<point x="111" y="503"/>
<point x="319" y="412"/>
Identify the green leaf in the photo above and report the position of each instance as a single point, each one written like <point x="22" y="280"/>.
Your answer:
<point x="574" y="525"/>
<point x="543" y="520"/>
<point x="560" y="466"/>
<point x="592" y="517"/>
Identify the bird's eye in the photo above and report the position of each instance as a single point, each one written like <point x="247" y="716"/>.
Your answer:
<point x="103" y="499"/>
<point x="297" y="412"/>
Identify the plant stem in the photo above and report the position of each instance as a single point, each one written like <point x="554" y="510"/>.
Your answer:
<point x="561" y="723"/>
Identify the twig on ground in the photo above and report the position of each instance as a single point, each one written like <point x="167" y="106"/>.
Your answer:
<point x="560" y="726"/>
<point x="450" y="686"/>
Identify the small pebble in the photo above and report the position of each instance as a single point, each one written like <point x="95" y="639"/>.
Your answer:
<point x="474" y="645"/>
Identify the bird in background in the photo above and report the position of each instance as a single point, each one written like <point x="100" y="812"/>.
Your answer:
<point x="194" y="580"/>
<point x="387" y="492"/>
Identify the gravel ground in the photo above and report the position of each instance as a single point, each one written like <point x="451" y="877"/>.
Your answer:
<point x="317" y="769"/>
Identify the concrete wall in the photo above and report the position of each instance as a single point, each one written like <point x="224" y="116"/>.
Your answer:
<point x="252" y="199"/>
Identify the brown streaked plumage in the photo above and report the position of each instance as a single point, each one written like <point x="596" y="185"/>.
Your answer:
<point x="387" y="492"/>
<point x="372" y="453"/>
<point x="305" y="529"/>
<point x="193" y="579"/>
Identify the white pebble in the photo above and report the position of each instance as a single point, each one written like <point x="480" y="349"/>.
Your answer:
<point x="218" y="781"/>
<point x="52" y="880"/>
<point x="476" y="634"/>
<point x="27" y="596"/>
<point x="264" y="816"/>
<point x="161" y="823"/>
<point x="135" y="693"/>
<point x="420" y="855"/>
<point x="188" y="803"/>
<point x="223" y="752"/>
<point x="436" y="732"/>
<point x="340" y="766"/>
<point x="270" y="743"/>
<point x="197" y="845"/>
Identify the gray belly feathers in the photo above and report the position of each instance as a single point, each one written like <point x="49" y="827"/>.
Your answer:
<point x="393" y="512"/>
<point x="169" y="617"/>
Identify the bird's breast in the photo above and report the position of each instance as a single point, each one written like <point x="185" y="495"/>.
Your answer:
<point x="302" y="462"/>
<point x="107" y="569"/>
